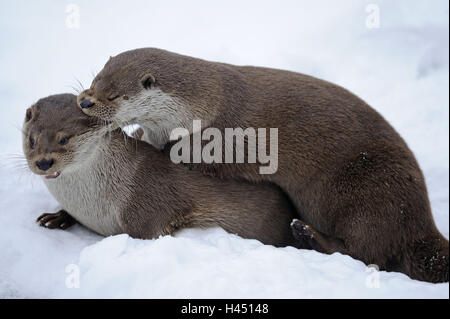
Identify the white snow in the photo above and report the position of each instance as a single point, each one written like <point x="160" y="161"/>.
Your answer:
<point x="401" y="69"/>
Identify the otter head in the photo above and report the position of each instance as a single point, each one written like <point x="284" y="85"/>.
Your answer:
<point x="53" y="131"/>
<point x="117" y="91"/>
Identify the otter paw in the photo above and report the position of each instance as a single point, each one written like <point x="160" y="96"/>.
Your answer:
<point x="306" y="236"/>
<point x="301" y="231"/>
<point x="61" y="220"/>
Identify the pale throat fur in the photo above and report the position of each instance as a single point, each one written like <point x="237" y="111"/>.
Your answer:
<point x="158" y="113"/>
<point x="83" y="190"/>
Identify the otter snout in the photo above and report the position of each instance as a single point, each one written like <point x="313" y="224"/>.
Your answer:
<point x="45" y="164"/>
<point x="86" y="103"/>
<point x="99" y="106"/>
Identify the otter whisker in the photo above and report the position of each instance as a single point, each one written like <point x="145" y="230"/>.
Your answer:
<point x="75" y="89"/>
<point x="16" y="162"/>
<point x="20" y="129"/>
<point x="93" y="74"/>
<point x="79" y="84"/>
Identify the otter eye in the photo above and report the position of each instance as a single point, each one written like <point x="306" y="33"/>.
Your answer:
<point x="63" y="141"/>
<point x="112" y="98"/>
<point x="31" y="142"/>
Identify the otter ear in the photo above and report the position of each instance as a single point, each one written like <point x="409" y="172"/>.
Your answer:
<point x="28" y="115"/>
<point x="148" y="81"/>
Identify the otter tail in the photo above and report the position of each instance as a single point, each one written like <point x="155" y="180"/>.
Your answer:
<point x="428" y="259"/>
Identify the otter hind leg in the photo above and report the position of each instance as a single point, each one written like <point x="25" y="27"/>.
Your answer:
<point x="60" y="220"/>
<point x="308" y="236"/>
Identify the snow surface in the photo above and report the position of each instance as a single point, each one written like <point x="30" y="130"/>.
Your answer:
<point x="401" y="69"/>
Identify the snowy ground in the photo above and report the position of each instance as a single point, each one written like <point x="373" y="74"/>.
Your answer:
<point x="401" y="69"/>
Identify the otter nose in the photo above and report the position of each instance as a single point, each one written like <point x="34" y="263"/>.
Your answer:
<point x="44" y="164"/>
<point x="85" y="104"/>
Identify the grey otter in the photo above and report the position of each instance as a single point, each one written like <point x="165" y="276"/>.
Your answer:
<point x="112" y="184"/>
<point x="352" y="178"/>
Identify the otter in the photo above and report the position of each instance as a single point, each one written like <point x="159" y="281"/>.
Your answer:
<point x="115" y="184"/>
<point x="353" y="180"/>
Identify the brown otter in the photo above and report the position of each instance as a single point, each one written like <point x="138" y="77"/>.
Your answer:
<point x="357" y="185"/>
<point x="115" y="184"/>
